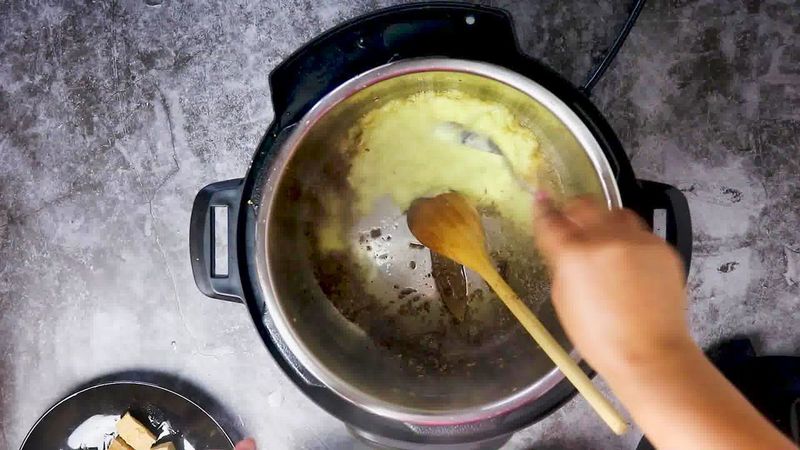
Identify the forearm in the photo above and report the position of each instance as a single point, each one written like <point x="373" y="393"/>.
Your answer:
<point x="681" y="401"/>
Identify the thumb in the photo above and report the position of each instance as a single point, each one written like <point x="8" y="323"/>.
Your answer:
<point x="246" y="444"/>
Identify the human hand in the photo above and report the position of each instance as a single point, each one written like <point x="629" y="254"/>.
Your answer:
<point x="246" y="444"/>
<point x="617" y="288"/>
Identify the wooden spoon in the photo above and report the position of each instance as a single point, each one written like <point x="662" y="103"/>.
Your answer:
<point x="449" y="225"/>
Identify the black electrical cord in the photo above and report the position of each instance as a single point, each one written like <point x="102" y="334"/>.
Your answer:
<point x="598" y="71"/>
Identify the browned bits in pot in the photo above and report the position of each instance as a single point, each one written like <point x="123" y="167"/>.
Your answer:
<point x="405" y="292"/>
<point x="408" y="322"/>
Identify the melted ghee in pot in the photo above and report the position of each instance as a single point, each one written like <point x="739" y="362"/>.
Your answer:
<point x="406" y="150"/>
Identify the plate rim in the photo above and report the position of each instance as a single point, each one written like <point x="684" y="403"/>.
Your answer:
<point x="109" y="383"/>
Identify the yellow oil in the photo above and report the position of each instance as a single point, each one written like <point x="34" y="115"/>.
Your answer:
<point x="401" y="150"/>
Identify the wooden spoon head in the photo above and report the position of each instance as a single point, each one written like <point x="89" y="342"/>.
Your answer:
<point x="449" y="225"/>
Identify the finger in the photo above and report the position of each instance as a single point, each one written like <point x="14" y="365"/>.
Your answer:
<point x="630" y="219"/>
<point x="618" y="223"/>
<point x="551" y="228"/>
<point x="586" y="212"/>
<point x="246" y="444"/>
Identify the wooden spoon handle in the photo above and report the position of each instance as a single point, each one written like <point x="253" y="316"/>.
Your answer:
<point x="556" y="352"/>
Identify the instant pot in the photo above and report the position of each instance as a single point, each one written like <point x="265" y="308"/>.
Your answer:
<point x="501" y="382"/>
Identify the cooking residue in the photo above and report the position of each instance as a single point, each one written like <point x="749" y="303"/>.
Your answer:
<point x="451" y="282"/>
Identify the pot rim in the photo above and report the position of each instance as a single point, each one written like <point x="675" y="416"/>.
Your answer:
<point x="284" y="154"/>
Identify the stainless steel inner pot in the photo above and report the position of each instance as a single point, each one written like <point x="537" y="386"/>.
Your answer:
<point x="390" y="353"/>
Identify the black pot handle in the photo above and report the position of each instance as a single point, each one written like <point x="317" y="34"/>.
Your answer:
<point x="678" y="219"/>
<point x="226" y="194"/>
<point x="454" y="29"/>
<point x="436" y="28"/>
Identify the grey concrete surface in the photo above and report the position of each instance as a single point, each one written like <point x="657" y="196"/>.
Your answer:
<point x="114" y="114"/>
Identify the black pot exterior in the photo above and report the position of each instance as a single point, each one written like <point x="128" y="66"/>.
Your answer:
<point x="447" y="29"/>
